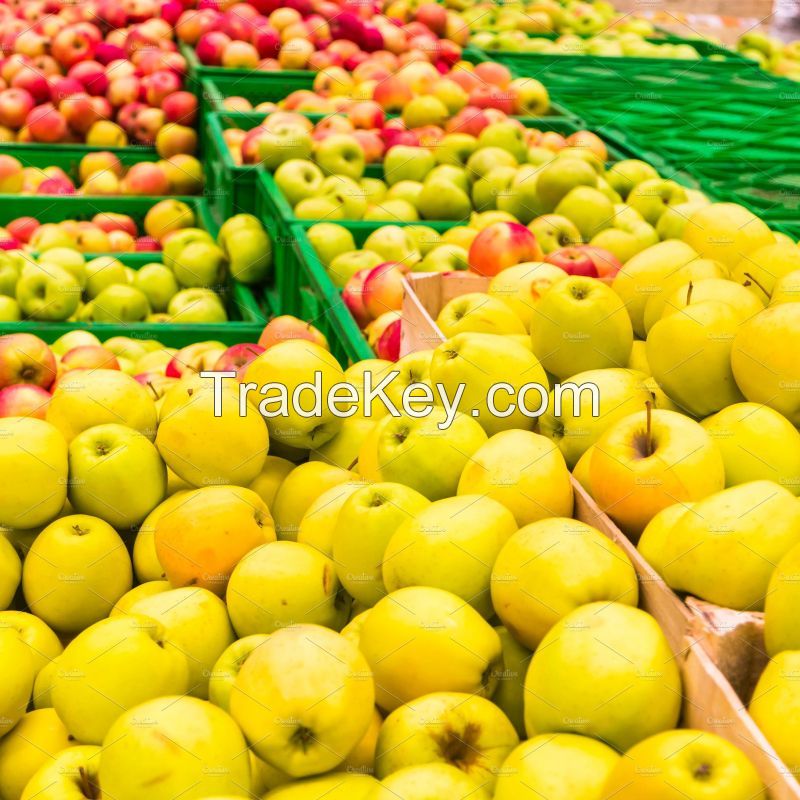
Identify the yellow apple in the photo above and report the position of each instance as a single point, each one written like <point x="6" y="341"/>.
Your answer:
<point x="72" y="774"/>
<point x="76" y="570"/>
<point x="174" y="747"/>
<point x="782" y="604"/>
<point x="43" y="645"/>
<point x="743" y="302"/>
<point x="638" y="359"/>
<point x="787" y="289"/>
<point x="476" y="312"/>
<point x="653" y="541"/>
<point x="336" y="786"/>
<point x="606" y="671"/>
<point x="521" y="287"/>
<point x="10" y="573"/>
<point x="147" y="589"/>
<point x="426" y="781"/>
<point x="342" y="450"/>
<point x="361" y="759"/>
<point x="304" y="699"/>
<point x="227" y="668"/>
<point x="411" y="633"/>
<point x="318" y="524"/>
<point x="269" y="480"/>
<point x="450" y="544"/>
<point x="85" y="398"/>
<point x="145" y="558"/>
<point x="509" y="695"/>
<point x="761" y="269"/>
<point x="549" y="568"/>
<point x="43" y="685"/>
<point x="17" y="673"/>
<point x="561" y="766"/>
<point x="33" y="460"/>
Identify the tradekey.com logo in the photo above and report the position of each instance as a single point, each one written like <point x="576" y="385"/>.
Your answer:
<point x="417" y="400"/>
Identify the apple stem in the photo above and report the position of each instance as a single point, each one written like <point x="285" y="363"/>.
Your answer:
<point x="254" y="352"/>
<point x="87" y="787"/>
<point x="153" y="389"/>
<point x="751" y="279"/>
<point x="689" y="293"/>
<point x="353" y="465"/>
<point x="649" y="449"/>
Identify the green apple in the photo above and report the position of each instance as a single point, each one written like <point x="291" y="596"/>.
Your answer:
<point x="199" y="264"/>
<point x="755" y="523"/>
<point x="158" y="285"/>
<point x="111" y="667"/>
<point x="120" y="304"/>
<point x="85" y="398"/>
<point x="17" y="674"/>
<point x="51" y="294"/>
<point x="621" y="244"/>
<point x="228" y="665"/>
<point x="237" y="222"/>
<point x="507" y="135"/>
<point x="342" y="450"/>
<point x="366" y="523"/>
<point x="75" y="571"/>
<point x="427" y="781"/>
<point x="279" y="708"/>
<point x="690" y="357"/>
<point x="101" y="273"/>
<point x="69" y="259"/>
<point x="394" y="243"/>
<point x="487" y="191"/>
<point x="509" y="695"/>
<point x="405" y="190"/>
<point x="9" y="275"/>
<point x="405" y="163"/>
<point x="165" y="748"/>
<point x="298" y="179"/>
<point x="249" y="253"/>
<point x="387" y="210"/>
<point x="197" y="626"/>
<point x="690" y="763"/>
<point x="441" y="199"/>
<point x="72" y="774"/>
<point x="474" y="312"/>
<point x="557" y="178"/>
<point x="43" y="644"/>
<point x="346" y="193"/>
<point x="672" y="221"/>
<point x="32" y="744"/>
<point x="9" y="310"/>
<point x="757" y="443"/>
<point x="588" y="208"/>
<point x="563" y="767"/>
<point x="424" y="109"/>
<point x="521" y="198"/>
<point x="554" y="232"/>
<point x="457" y="175"/>
<point x="605" y="670"/>
<point x="624" y="175"/>
<point x="410" y="633"/>
<point x="455" y="149"/>
<point x="652" y="197"/>
<point x="70" y="339"/>
<point x="374" y="189"/>
<point x="281" y="143"/>
<point x="426" y="238"/>
<point x="580" y="324"/>
<point x="648" y="461"/>
<point x="280" y="584"/>
<point x="444" y="258"/>
<point x="347" y="264"/>
<point x="764" y="372"/>
<point x="417" y="452"/>
<point x="340" y="154"/>
<point x="643" y="275"/>
<point x="450" y="544"/>
<point x="321" y="207"/>
<point x="551" y="567"/>
<point x="329" y="241"/>
<point x="464" y="731"/>
<point x="207" y="450"/>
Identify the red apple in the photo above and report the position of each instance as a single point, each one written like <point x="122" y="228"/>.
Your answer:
<point x="46" y="124"/>
<point x="15" y="105"/>
<point x="91" y="75"/>
<point x="606" y="264"/>
<point x="286" y="327"/>
<point x="237" y="357"/>
<point x="159" y="85"/>
<point x="502" y="245"/>
<point x="73" y="44"/>
<point x="180" y="107"/>
<point x="573" y="261"/>
<point x="89" y="356"/>
<point x="388" y="344"/>
<point x="79" y="112"/>
<point x="63" y="87"/>
<point x="210" y="48"/>
<point x="22" y="228"/>
<point x="25" y="358"/>
<point x="383" y="289"/>
<point x="24" y="400"/>
<point x="145" y="178"/>
<point x="353" y="297"/>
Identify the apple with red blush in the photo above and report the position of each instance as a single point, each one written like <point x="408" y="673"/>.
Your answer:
<point x="24" y="400"/>
<point x="25" y="358"/>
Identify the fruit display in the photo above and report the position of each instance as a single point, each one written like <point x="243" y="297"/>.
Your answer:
<point x="771" y="54"/>
<point x="101" y="73"/>
<point x="103" y="173"/>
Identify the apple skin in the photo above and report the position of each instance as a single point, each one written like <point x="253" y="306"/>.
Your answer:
<point x="62" y="777"/>
<point x="429" y="780"/>
<point x="779" y="631"/>
<point x="10" y="572"/>
<point x="502" y="245"/>
<point x="687" y="762"/>
<point x="285" y="328"/>
<point x="228" y="666"/>
<point x="24" y="400"/>
<point x="43" y="644"/>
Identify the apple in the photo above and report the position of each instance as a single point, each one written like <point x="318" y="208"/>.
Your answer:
<point x="652" y="197"/>
<point x="51" y="294"/>
<point x="228" y="666"/>
<point x="329" y="241"/>
<point x="404" y="163"/>
<point x="25" y="358"/>
<point x="502" y="245"/>
<point x="24" y="400"/>
<point x="476" y="312"/>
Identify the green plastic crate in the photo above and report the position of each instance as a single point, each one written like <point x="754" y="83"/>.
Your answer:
<point x="75" y="151"/>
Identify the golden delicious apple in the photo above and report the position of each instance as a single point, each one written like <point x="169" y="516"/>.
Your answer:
<point x="17" y="673"/>
<point x="204" y="449"/>
<point x="76" y="570"/>
<point x="643" y="276"/>
<point x="361" y="759"/>
<point x="581" y="470"/>
<point x="378" y="369"/>
<point x="606" y="671"/>
<point x="684" y="763"/>
<point x="726" y="232"/>
<point x="264" y="777"/>
<point x="462" y="730"/>
<point x="523" y="471"/>
<point x="653" y="541"/>
<point x="336" y="786"/>
<point x="725" y="549"/>
<point x="639" y="467"/>
<point x="412" y="632"/>
<point x="352" y="631"/>
<point x="272" y="475"/>
<point x="227" y="668"/>
<point x="43" y="644"/>
<point x="147" y="589"/>
<point x="549" y="568"/>
<point x="43" y="685"/>
<point x="366" y="523"/>
<point x="509" y="695"/>
<point x="580" y="324"/>
<point x="72" y="774"/>
<point x="561" y="766"/>
<point x="200" y="540"/>
<point x="429" y="782"/>
<point x="412" y="368"/>
<point x="112" y="666"/>
<point x="304" y="699"/>
<point x="299" y="489"/>
<point x="476" y="312"/>
<point x="521" y="287"/>
<point x="619" y="392"/>
<point x="342" y="450"/>
<point x="293" y="364"/>
<point x="116" y="474"/>
<point x="197" y="625"/>
<point x="782" y="604"/>
<point x="85" y="398"/>
<point x="285" y="583"/>
<point x="762" y="268"/>
<point x="787" y="289"/>
<point x="757" y="443"/>
<point x="478" y="361"/>
<point x="451" y="544"/>
<point x="638" y="358"/>
<point x="743" y="302"/>
<point x="10" y="573"/>
<point x="32" y="743"/>
<point x="33" y="461"/>
<point x="764" y="359"/>
<point x="318" y="524"/>
<point x="174" y="747"/>
<point x="418" y="453"/>
<point x="145" y="558"/>
<point x="690" y="356"/>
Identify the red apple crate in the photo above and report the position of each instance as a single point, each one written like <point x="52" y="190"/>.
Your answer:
<point x="720" y="652"/>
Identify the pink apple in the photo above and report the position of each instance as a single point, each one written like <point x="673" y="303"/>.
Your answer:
<point x="159" y="85"/>
<point x="24" y="400"/>
<point x="63" y="87"/>
<point x="606" y="264"/>
<point x="56" y="186"/>
<point x="388" y="344"/>
<point x="237" y="357"/>
<point x="25" y="358"/>
<point x="502" y="245"/>
<point x="89" y="356"/>
<point x="573" y="261"/>
<point x="210" y="48"/>
<point x="92" y="75"/>
<point x="46" y="124"/>
<point x="33" y="82"/>
<point x="382" y="290"/>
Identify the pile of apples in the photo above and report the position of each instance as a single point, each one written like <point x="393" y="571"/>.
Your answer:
<point x="782" y="58"/>
<point x="372" y="607"/>
<point x="59" y="284"/>
<point x="314" y="34"/>
<point x="102" y="173"/>
<point x="102" y="73"/>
